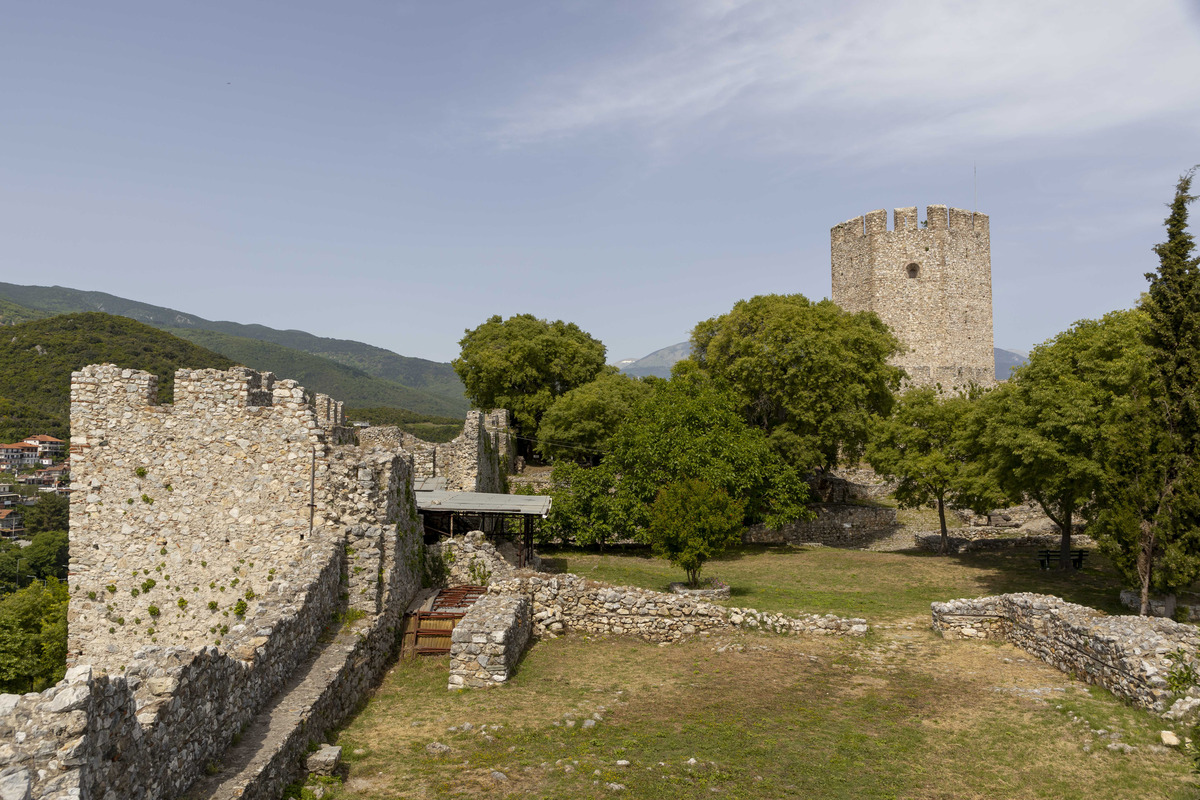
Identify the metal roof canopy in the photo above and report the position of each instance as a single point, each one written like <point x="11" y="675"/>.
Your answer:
<point x="483" y="503"/>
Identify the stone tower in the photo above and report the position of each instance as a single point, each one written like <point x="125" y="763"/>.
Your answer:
<point x="932" y="285"/>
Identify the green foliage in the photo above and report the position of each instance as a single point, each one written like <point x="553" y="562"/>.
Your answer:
<point x="524" y="363"/>
<point x="240" y="608"/>
<point x="1042" y="434"/>
<point x="810" y="374"/>
<point x="691" y="522"/>
<point x="13" y="314"/>
<point x="45" y="557"/>
<point x="423" y="426"/>
<point x="688" y="428"/>
<point x="1150" y="518"/>
<point x="52" y="512"/>
<point x="1182" y="675"/>
<point x="580" y="423"/>
<point x="478" y="572"/>
<point x="33" y="637"/>
<point x="919" y="445"/>
<point x="37" y="358"/>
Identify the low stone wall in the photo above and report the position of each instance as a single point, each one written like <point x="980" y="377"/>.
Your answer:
<point x="570" y="602"/>
<point x="472" y="560"/>
<point x="835" y="525"/>
<point x="488" y="641"/>
<point x="1129" y="656"/>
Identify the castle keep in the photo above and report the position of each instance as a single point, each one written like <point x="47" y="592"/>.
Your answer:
<point x="931" y="284"/>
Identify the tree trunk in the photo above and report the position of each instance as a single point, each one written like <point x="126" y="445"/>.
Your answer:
<point x="944" y="547"/>
<point x="1064" y="550"/>
<point x="1145" y="563"/>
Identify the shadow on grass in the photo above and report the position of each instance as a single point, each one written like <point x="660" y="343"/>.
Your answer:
<point x="1097" y="585"/>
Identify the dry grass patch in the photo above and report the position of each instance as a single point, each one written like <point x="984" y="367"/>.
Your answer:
<point x="900" y="714"/>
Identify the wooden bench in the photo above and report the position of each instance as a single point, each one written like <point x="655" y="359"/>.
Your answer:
<point x="1052" y="558"/>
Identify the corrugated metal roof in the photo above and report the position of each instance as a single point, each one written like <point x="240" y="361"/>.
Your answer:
<point x="483" y="503"/>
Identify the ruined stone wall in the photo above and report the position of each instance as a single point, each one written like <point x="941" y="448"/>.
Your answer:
<point x="236" y="496"/>
<point x="932" y="285"/>
<point x="835" y="526"/>
<point x="488" y="641"/>
<point x="1129" y="656"/>
<point x="474" y="461"/>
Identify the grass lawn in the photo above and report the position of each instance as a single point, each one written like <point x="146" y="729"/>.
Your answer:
<point x="855" y="583"/>
<point x="900" y="713"/>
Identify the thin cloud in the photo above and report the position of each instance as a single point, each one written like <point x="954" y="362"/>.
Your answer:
<point x="850" y="78"/>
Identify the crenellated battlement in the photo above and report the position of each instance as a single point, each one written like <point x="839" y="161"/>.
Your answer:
<point x="929" y="281"/>
<point x="937" y="218"/>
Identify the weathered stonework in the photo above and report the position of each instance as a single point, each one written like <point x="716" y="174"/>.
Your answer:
<point x="570" y="602"/>
<point x="475" y="461"/>
<point x="488" y="641"/>
<point x="1129" y="656"/>
<point x="835" y="526"/>
<point x="248" y="527"/>
<point x="932" y="285"/>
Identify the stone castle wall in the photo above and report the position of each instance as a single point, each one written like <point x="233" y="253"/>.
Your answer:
<point x="932" y="285"/>
<point x="1129" y="656"/>
<point x="474" y="461"/>
<point x="835" y="525"/>
<point x="213" y="542"/>
<point x="488" y="641"/>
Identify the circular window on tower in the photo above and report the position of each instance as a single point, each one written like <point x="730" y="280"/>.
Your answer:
<point x="913" y="270"/>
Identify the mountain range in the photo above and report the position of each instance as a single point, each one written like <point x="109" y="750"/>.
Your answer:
<point x="659" y="362"/>
<point x="359" y="374"/>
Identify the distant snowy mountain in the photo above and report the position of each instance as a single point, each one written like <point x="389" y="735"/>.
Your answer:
<point x="659" y="362"/>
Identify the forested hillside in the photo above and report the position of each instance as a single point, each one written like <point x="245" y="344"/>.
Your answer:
<point x="352" y="386"/>
<point x="420" y="376"/>
<point x="37" y="358"/>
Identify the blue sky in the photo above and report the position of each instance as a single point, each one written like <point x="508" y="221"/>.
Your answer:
<point x="396" y="172"/>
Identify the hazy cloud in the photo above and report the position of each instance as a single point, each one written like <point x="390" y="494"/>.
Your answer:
<point x="850" y="78"/>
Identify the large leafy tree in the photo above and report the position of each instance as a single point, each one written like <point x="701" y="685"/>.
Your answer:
<point x="580" y="424"/>
<point x="1151" y="515"/>
<point x="690" y="522"/>
<point x="921" y="445"/>
<point x="688" y="428"/>
<point x="523" y="363"/>
<point x="814" y="377"/>
<point x="1042" y="434"/>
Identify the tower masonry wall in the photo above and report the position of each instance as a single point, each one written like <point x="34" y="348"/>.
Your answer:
<point x="931" y="284"/>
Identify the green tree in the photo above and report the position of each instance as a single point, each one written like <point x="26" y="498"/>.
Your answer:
<point x="580" y="424"/>
<point x="524" y="363"/>
<point x="52" y="512"/>
<point x="811" y="375"/>
<point x="688" y="428"/>
<point x="921" y="445"/>
<point x="691" y="522"/>
<point x="1042" y="434"/>
<point x="1150" y="521"/>
<point x="33" y="637"/>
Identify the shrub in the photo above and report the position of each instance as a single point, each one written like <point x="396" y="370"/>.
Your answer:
<point x="690" y="522"/>
<point x="153" y="611"/>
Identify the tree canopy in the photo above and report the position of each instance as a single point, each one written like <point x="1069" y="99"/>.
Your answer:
<point x="688" y="428"/>
<point x="1041" y="434"/>
<point x="580" y="424"/>
<point x="811" y="375"/>
<point x="524" y="363"/>
<point x="1150" y="518"/>
<point x="919" y="444"/>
